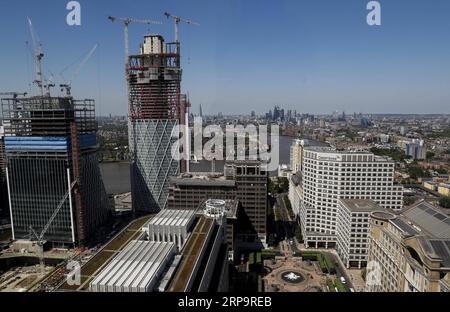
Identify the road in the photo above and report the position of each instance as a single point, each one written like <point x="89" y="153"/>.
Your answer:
<point x="288" y="227"/>
<point x="289" y="249"/>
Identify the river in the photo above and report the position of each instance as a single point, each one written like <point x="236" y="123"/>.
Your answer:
<point x="116" y="176"/>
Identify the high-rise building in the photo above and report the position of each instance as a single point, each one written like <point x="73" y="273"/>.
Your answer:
<point x="414" y="149"/>
<point x="296" y="152"/>
<point x="51" y="146"/>
<point x="245" y="181"/>
<point x="3" y="190"/>
<point x="251" y="190"/>
<point x="353" y="233"/>
<point x="409" y="252"/>
<point x="155" y="110"/>
<point x="329" y="175"/>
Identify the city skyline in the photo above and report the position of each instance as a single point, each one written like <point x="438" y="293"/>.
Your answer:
<point x="308" y="56"/>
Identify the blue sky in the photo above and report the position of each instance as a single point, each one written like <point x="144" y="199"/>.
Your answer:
<point x="314" y="56"/>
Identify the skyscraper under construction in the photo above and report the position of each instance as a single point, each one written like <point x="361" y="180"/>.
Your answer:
<point x="51" y="163"/>
<point x="155" y="109"/>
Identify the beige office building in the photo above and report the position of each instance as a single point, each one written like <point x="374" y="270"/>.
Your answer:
<point x="409" y="252"/>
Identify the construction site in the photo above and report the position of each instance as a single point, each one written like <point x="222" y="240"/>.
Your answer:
<point x="58" y="206"/>
<point x="57" y="200"/>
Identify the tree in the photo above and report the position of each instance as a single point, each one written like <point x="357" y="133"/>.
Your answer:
<point x="416" y="172"/>
<point x="298" y="234"/>
<point x="408" y="201"/>
<point x="283" y="185"/>
<point x="444" y="202"/>
<point x="271" y="240"/>
<point x="430" y="155"/>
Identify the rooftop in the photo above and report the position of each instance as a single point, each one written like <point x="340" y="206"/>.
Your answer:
<point x="229" y="207"/>
<point x="172" y="217"/>
<point x="202" y="179"/>
<point x="333" y="150"/>
<point x="192" y="253"/>
<point x="360" y="205"/>
<point x="405" y="227"/>
<point x="383" y="215"/>
<point x="429" y="219"/>
<point x="135" y="266"/>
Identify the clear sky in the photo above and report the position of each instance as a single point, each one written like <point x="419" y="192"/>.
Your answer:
<point x="314" y="56"/>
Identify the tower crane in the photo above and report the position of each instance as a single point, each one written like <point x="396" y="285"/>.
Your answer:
<point x="127" y="21"/>
<point x="38" y="55"/>
<point x="68" y="85"/>
<point x="39" y="238"/>
<point x="14" y="94"/>
<point x="177" y="21"/>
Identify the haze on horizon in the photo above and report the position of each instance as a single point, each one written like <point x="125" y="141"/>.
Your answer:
<point x="313" y="56"/>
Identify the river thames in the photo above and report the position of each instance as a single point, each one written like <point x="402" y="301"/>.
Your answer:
<point x="116" y="176"/>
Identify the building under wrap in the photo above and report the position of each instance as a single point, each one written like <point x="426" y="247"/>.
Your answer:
<point x="155" y="111"/>
<point x="50" y="145"/>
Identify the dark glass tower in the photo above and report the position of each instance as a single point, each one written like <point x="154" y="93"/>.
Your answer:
<point x="50" y="145"/>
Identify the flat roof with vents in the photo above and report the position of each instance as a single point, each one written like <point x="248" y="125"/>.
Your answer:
<point x="172" y="217"/>
<point x="137" y="268"/>
<point x="429" y="219"/>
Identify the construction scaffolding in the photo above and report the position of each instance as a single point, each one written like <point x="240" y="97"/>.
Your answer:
<point x="154" y="82"/>
<point x="50" y="142"/>
<point x="45" y="116"/>
<point x="155" y="111"/>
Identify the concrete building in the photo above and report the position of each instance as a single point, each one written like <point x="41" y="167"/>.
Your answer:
<point x="296" y="152"/>
<point x="200" y="265"/>
<point x="189" y="190"/>
<point x="329" y="175"/>
<point x="409" y="252"/>
<point x="353" y="234"/>
<point x="155" y="109"/>
<point x="415" y="149"/>
<point x="170" y="226"/>
<point x="430" y="185"/>
<point x="444" y="189"/>
<point x="244" y="181"/>
<point x="295" y="192"/>
<point x="283" y="171"/>
<point x="204" y="264"/>
<point x="232" y="211"/>
<point x="137" y="268"/>
<point x="51" y="147"/>
<point x="251" y="190"/>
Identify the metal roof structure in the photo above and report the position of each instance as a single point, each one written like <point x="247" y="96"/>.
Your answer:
<point x="172" y="217"/>
<point x="170" y="225"/>
<point x="442" y="249"/>
<point x="429" y="219"/>
<point x="136" y="268"/>
<point x="404" y="226"/>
